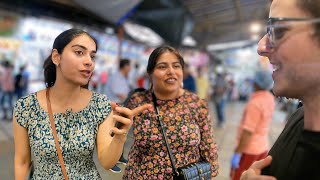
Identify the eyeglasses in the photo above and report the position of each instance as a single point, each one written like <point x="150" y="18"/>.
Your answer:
<point x="276" y="30"/>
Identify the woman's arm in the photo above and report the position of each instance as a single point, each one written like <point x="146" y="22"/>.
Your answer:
<point x="244" y="141"/>
<point x="22" y="155"/>
<point x="208" y="147"/>
<point x="110" y="148"/>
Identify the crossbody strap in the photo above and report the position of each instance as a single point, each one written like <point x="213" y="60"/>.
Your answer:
<point x="173" y="162"/>
<point x="54" y="132"/>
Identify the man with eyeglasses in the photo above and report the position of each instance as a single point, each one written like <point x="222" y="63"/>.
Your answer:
<point x="292" y="44"/>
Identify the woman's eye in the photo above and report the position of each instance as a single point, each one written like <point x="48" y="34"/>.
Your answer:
<point x="177" y="66"/>
<point x="79" y="52"/>
<point x="93" y="58"/>
<point x="161" y="67"/>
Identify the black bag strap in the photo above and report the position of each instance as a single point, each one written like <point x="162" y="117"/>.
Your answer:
<point x="173" y="163"/>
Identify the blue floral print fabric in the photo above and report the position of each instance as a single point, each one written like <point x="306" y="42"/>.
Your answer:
<point x="76" y="133"/>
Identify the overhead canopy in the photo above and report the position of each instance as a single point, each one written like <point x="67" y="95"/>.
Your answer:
<point x="224" y="21"/>
<point x="110" y="10"/>
<point x="169" y="18"/>
<point x="61" y="9"/>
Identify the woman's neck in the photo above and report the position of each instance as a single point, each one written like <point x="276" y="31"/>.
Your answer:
<point x="168" y="96"/>
<point x="64" y="93"/>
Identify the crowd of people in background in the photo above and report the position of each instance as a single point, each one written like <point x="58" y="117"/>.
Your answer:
<point x="219" y="90"/>
<point x="12" y="87"/>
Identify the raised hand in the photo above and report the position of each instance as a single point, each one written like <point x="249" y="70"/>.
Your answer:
<point x="254" y="172"/>
<point x="124" y="116"/>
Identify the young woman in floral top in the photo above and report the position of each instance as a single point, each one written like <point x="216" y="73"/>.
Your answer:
<point x="66" y="71"/>
<point x="185" y="117"/>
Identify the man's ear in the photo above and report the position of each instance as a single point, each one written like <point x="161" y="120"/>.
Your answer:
<point x="55" y="56"/>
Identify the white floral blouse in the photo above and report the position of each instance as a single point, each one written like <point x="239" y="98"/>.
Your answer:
<point x="76" y="132"/>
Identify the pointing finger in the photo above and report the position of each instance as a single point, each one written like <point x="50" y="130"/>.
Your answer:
<point x="139" y="109"/>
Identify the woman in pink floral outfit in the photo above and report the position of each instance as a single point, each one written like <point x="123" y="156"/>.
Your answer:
<point x="185" y="117"/>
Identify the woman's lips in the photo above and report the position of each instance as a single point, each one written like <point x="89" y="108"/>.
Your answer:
<point x="86" y="73"/>
<point x="170" y="80"/>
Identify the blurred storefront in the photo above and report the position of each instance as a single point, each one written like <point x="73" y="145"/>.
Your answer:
<point x="27" y="41"/>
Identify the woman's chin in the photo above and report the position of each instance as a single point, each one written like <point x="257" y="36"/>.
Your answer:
<point x="84" y="84"/>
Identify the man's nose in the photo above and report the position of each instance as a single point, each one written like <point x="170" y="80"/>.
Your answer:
<point x="264" y="46"/>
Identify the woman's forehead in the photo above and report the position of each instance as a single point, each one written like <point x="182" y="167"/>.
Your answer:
<point x="167" y="57"/>
<point x="85" y="41"/>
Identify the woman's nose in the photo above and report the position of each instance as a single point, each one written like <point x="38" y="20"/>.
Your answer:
<point x="264" y="47"/>
<point x="170" y="70"/>
<point x="88" y="61"/>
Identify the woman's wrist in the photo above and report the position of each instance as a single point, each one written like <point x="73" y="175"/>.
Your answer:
<point x="120" y="137"/>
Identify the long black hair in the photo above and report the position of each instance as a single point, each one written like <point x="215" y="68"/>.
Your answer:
<point x="61" y="41"/>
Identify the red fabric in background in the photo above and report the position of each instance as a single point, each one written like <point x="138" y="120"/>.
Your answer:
<point x="245" y="162"/>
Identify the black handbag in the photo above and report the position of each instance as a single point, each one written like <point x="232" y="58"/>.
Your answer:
<point x="194" y="171"/>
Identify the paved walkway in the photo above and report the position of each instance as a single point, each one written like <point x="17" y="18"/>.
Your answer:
<point x="225" y="139"/>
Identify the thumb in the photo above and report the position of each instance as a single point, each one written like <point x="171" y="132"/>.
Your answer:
<point x="259" y="165"/>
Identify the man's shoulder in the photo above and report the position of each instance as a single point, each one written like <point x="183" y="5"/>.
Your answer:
<point x="297" y="116"/>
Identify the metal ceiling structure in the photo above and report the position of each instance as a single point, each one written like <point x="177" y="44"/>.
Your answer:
<point x="221" y="21"/>
<point x="61" y="9"/>
<point x="169" y="18"/>
<point x="215" y="21"/>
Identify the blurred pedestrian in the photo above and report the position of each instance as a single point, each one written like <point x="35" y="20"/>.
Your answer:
<point x="103" y="80"/>
<point x="1" y="76"/>
<point x="253" y="139"/>
<point x="220" y="97"/>
<point x="202" y="84"/>
<point x="26" y="77"/>
<point x="189" y="83"/>
<point x="19" y="83"/>
<point x="7" y="86"/>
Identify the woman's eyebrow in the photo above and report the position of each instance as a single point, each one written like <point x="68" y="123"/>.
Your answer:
<point x="161" y="63"/>
<point x="83" y="47"/>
